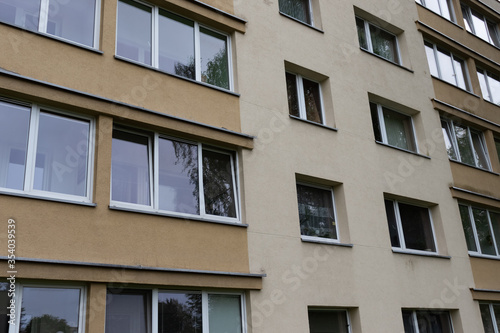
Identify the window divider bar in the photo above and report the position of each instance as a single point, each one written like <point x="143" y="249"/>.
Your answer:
<point x="368" y="36"/>
<point x="155" y="48"/>
<point x="300" y="93"/>
<point x="154" y="311"/>
<point x="201" y="190"/>
<point x="204" y="311"/>
<point x="197" y="51"/>
<point x="381" y="121"/>
<point x="402" y="242"/>
<point x="97" y="23"/>
<point x="29" y="171"/>
<point x="156" y="172"/>
<point x="44" y="16"/>
<point x="474" y="230"/>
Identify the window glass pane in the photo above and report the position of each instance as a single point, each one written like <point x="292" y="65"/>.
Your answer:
<point x="130" y="168"/>
<point x="391" y="219"/>
<point x="214" y="58"/>
<point x="460" y="73"/>
<point x="62" y="155"/>
<point x="73" y="20"/>
<point x="24" y="13"/>
<point x="483" y="231"/>
<point x="178" y="163"/>
<point x="467" y="18"/>
<point x="496" y="310"/>
<point x="464" y="145"/>
<point x="417" y="228"/>
<point x="4" y="303"/>
<point x="495" y="222"/>
<point x="224" y="313"/>
<point x="431" y="59"/>
<point x="48" y="310"/>
<point x="445" y="8"/>
<point x="384" y="44"/>
<point x="486" y="317"/>
<point x="298" y="9"/>
<point x="483" y="85"/>
<point x="293" y="98"/>
<point x="433" y="5"/>
<point x="328" y="321"/>
<point x="466" y="223"/>
<point x="375" y="122"/>
<point x="408" y="322"/>
<point x="179" y="312"/>
<point x="494" y="84"/>
<point x="434" y="321"/>
<point x="497" y="145"/>
<point x="14" y="126"/>
<point x="360" y="25"/>
<point x="493" y="31"/>
<point x="313" y="100"/>
<point x="316" y="214"/>
<point x="176" y="45"/>
<point x="128" y="311"/>
<point x="448" y="139"/>
<point x="399" y="129"/>
<point x="446" y="66"/>
<point x="479" y="150"/>
<point x="134" y="40"/>
<point x="479" y="25"/>
<point x="218" y="184"/>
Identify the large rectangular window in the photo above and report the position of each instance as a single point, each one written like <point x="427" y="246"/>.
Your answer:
<point x="446" y="66"/>
<point x="156" y="173"/>
<point x="377" y="41"/>
<point x="163" y="311"/>
<point x="298" y="9"/>
<point x="490" y="86"/>
<point x="328" y="321"/>
<point x="480" y="26"/>
<point x="393" y="128"/>
<point x="75" y="21"/>
<point x="44" y="152"/>
<point x="173" y="44"/>
<point x="440" y="7"/>
<point x="304" y="98"/>
<point x="481" y="229"/>
<point x="410" y="227"/>
<point x="465" y="144"/>
<point x="427" y="321"/>
<point x="47" y="309"/>
<point x="490" y="314"/>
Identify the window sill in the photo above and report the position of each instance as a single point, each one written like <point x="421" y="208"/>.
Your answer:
<point x="301" y="22"/>
<point x="314" y="123"/>
<point x="451" y="84"/>
<point x="420" y="253"/>
<point x="401" y="149"/>
<point x="444" y="18"/>
<point x="39" y="197"/>
<point x="324" y="241"/>
<point x="67" y="41"/>
<point x="493" y="45"/>
<point x="187" y="218"/>
<point x="475" y="167"/>
<point x="483" y="256"/>
<point x="492" y="103"/>
<point x="384" y="59"/>
<point x="176" y="76"/>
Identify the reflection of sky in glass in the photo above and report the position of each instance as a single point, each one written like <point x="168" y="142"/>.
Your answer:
<point x="24" y="13"/>
<point x="446" y="67"/>
<point x="134" y="40"/>
<point x="479" y="26"/>
<point x="429" y="51"/>
<point x="73" y="20"/>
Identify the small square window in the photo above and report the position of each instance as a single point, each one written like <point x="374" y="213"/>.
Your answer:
<point x="316" y="212"/>
<point x="328" y="321"/>
<point x="304" y="98"/>
<point x="298" y="9"/>
<point x="393" y="128"/>
<point x="490" y="314"/>
<point x="410" y="227"/>
<point x="428" y="321"/>
<point x="378" y="41"/>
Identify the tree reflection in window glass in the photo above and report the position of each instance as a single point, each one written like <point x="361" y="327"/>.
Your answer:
<point x="298" y="9"/>
<point x="483" y="231"/>
<point x="214" y="59"/>
<point x="468" y="230"/>
<point x="316" y="212"/>
<point x="179" y="312"/>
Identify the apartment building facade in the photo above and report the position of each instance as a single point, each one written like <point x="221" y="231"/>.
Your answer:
<point x="249" y="166"/>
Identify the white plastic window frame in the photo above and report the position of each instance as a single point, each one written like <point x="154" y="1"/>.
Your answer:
<point x="453" y="140"/>
<point x="19" y="297"/>
<point x="348" y="317"/>
<point x="487" y="78"/>
<point x="440" y="4"/>
<point x="494" y="320"/>
<point x="476" y="237"/>
<point x="323" y="239"/>
<point x="369" y="42"/>
<point x="31" y="153"/>
<point x="155" y="47"/>
<point x="453" y="59"/>
<point x="154" y="178"/>
<point x="415" y="320"/>
<point x="301" y="99"/>
<point x="402" y="243"/>
<point x="468" y="14"/>
<point x="383" y="129"/>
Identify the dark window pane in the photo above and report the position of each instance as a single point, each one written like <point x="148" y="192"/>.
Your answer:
<point x="59" y="311"/>
<point x="298" y="9"/>
<point x="178" y="173"/>
<point x="176" y="43"/>
<point x="464" y="145"/>
<point x="214" y="58"/>
<point x="128" y="311"/>
<point x="313" y="100"/>
<point x="497" y="146"/>
<point x="23" y="13"/>
<point x="328" y="321"/>
<point x="316" y="212"/>
<point x="479" y="150"/>
<point x="483" y="231"/>
<point x="399" y="130"/>
<point x="360" y="25"/>
<point x="4" y="303"/>
<point x="73" y="20"/>
<point x="293" y="98"/>
<point x="179" y="312"/>
<point x="384" y="44"/>
<point x="408" y="322"/>
<point x="391" y="220"/>
<point x="493" y="31"/>
<point x="495" y="222"/>
<point x="434" y="322"/>
<point x="417" y="228"/>
<point x="218" y="184"/>
<point x="466" y="223"/>
<point x="487" y="319"/>
<point x="224" y="313"/>
<point x="376" y="122"/>
<point x="130" y="179"/>
<point x="134" y="40"/>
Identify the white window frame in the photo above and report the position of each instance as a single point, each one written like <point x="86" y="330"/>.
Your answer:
<point x="496" y="328"/>
<point x="453" y="141"/>
<point x="323" y="239"/>
<point x="154" y="178"/>
<point x="415" y="320"/>
<point x="449" y="5"/>
<point x="402" y="242"/>
<point x="487" y="79"/>
<point x="453" y="59"/>
<point x="468" y="13"/>
<point x="155" y="47"/>
<point x="301" y="99"/>
<point x="19" y="297"/>
<point x="476" y="237"/>
<point x="369" y="42"/>
<point x="31" y="153"/>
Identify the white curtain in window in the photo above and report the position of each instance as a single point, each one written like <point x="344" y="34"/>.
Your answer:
<point x="224" y="313"/>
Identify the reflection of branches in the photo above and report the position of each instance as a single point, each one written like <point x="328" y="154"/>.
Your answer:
<point x="48" y="323"/>
<point x="188" y="70"/>
<point x="217" y="72"/>
<point x="177" y="317"/>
